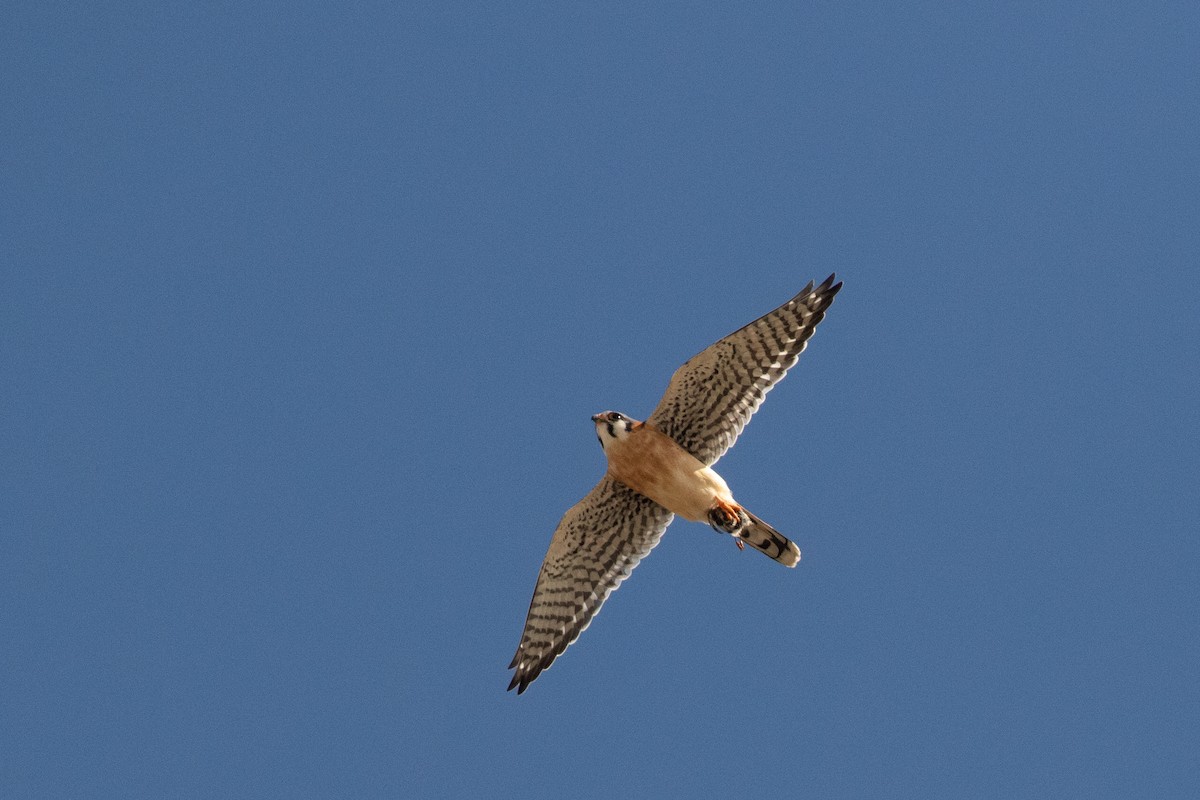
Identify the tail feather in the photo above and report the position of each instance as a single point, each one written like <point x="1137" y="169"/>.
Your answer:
<point x="765" y="539"/>
<point x="756" y="533"/>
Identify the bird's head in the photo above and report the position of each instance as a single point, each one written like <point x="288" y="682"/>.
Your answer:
<point x="611" y="427"/>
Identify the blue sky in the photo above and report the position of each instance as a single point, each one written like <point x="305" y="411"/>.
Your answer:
<point x="305" y="308"/>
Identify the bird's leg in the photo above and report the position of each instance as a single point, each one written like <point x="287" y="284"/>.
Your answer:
<point x="728" y="518"/>
<point x="723" y="516"/>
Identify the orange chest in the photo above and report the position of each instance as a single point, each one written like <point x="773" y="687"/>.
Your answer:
<point x="651" y="463"/>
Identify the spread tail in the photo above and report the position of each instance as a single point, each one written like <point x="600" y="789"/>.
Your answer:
<point x="745" y="527"/>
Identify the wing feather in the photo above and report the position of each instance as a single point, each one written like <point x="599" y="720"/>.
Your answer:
<point x="596" y="545"/>
<point x="713" y="395"/>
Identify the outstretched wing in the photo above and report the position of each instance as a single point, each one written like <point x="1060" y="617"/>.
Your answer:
<point x="712" y="396"/>
<point x="595" y="547"/>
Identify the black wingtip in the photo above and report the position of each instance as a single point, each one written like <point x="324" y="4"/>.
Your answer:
<point x="828" y="287"/>
<point x="824" y="291"/>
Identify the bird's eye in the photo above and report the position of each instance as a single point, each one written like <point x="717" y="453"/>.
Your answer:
<point x="617" y="417"/>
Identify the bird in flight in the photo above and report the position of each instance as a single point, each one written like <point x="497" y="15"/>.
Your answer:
<point x="663" y="467"/>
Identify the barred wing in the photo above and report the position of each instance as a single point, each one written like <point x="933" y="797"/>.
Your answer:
<point x="712" y="396"/>
<point x="596" y="545"/>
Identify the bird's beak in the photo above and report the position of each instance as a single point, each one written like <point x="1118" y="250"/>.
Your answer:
<point x="595" y="417"/>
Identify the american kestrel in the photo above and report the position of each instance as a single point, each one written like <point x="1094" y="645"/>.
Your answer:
<point x="663" y="467"/>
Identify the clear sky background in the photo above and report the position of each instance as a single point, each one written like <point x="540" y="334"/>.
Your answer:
<point x="305" y="307"/>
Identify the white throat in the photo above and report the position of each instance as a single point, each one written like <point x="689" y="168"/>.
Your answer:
<point x="612" y="431"/>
